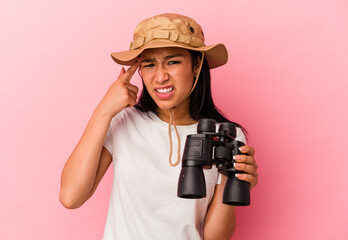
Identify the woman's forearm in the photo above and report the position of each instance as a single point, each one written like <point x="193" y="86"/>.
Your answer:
<point x="79" y="172"/>
<point x="220" y="221"/>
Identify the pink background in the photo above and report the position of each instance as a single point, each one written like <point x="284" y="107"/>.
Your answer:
<point x="286" y="82"/>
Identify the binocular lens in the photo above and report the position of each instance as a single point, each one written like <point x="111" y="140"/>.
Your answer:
<point x="191" y="183"/>
<point x="228" y="127"/>
<point x="236" y="192"/>
<point x="206" y="125"/>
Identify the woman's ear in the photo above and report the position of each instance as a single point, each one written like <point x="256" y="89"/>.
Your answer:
<point x="197" y="63"/>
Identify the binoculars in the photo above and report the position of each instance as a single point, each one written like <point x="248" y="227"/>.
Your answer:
<point x="206" y="148"/>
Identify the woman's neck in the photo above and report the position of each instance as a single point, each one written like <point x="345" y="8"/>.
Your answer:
<point x="181" y="115"/>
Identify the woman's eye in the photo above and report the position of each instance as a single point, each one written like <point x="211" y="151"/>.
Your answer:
<point x="173" y="62"/>
<point x="149" y="65"/>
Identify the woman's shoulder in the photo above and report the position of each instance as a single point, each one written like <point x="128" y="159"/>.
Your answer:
<point x="129" y="116"/>
<point x="130" y="112"/>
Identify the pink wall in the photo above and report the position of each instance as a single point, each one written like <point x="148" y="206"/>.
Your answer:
<point x="286" y="82"/>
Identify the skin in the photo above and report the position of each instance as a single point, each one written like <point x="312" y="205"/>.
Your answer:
<point x="169" y="67"/>
<point x="90" y="160"/>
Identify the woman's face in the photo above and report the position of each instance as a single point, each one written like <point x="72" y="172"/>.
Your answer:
<point x="168" y="76"/>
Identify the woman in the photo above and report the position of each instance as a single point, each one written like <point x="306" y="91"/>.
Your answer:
<point x="169" y="52"/>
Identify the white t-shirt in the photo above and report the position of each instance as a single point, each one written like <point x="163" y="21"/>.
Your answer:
<point x="144" y="202"/>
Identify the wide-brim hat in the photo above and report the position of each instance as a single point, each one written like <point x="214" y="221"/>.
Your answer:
<point x="171" y="30"/>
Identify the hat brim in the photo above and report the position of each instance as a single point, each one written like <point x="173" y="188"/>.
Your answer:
<point x="216" y="55"/>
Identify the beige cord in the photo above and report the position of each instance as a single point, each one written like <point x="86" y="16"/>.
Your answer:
<point x="172" y="121"/>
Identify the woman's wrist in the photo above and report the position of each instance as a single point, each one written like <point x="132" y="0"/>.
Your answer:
<point x="103" y="113"/>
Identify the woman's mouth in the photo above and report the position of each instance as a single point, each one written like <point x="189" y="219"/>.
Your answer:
<point x="164" y="93"/>
<point x="164" y="90"/>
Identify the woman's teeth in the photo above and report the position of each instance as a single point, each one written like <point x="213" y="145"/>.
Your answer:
<point x="164" y="90"/>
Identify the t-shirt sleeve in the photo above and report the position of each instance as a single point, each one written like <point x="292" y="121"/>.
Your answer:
<point x="108" y="139"/>
<point x="240" y="137"/>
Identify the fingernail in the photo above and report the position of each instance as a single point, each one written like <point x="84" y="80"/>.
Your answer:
<point x="236" y="165"/>
<point x="238" y="175"/>
<point x="243" y="148"/>
<point x="237" y="157"/>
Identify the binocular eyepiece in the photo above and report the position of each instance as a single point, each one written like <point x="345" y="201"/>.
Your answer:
<point x="206" y="148"/>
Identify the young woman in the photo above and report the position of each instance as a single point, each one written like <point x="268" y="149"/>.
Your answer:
<point x="169" y="52"/>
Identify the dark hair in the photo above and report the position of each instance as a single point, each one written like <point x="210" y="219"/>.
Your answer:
<point x="201" y="101"/>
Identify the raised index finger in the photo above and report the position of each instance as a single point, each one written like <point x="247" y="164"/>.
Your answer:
<point x="127" y="76"/>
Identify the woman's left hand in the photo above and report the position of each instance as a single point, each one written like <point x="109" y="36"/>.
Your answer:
<point x="246" y="163"/>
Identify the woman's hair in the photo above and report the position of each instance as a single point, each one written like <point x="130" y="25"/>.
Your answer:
<point x="201" y="101"/>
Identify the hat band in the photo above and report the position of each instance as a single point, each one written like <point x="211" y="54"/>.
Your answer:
<point x="168" y="35"/>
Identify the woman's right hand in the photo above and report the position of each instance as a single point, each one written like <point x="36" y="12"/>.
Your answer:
<point x="121" y="94"/>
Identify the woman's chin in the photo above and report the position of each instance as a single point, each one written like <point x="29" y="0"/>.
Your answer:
<point x="171" y="103"/>
<point x="165" y="106"/>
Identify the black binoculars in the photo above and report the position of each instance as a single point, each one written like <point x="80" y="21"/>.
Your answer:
<point x="206" y="148"/>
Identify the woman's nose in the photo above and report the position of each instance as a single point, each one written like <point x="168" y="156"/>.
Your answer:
<point x="161" y="75"/>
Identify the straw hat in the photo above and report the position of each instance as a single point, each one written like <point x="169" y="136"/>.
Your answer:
<point x="171" y="30"/>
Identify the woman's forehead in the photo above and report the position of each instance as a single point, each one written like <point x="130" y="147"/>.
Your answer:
<point x="163" y="52"/>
